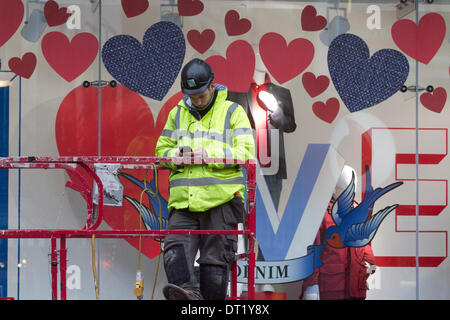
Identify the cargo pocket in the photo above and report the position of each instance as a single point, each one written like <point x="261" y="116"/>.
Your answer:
<point x="236" y="208"/>
<point x="232" y="215"/>
<point x="332" y="277"/>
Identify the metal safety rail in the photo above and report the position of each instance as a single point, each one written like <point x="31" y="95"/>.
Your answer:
<point x="93" y="220"/>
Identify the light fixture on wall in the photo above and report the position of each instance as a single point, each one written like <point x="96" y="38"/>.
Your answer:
<point x="337" y="26"/>
<point x="35" y="23"/>
<point x="169" y="12"/>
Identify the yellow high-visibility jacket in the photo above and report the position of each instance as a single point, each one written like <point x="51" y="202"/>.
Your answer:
<point x="224" y="132"/>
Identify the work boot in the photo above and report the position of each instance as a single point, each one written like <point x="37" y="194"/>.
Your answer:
<point x="174" y="292"/>
<point x="182" y="284"/>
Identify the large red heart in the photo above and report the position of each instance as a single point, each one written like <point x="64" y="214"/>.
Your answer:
<point x="11" y="15"/>
<point x="236" y="70"/>
<point x="236" y="26"/>
<point x="434" y="101"/>
<point x="421" y="42"/>
<point x="189" y="7"/>
<point x="69" y="58"/>
<point x="315" y="86"/>
<point x="23" y="67"/>
<point x="133" y="8"/>
<point x="201" y="41"/>
<point x="283" y="61"/>
<point x="311" y="21"/>
<point x="326" y="111"/>
<point x="127" y="129"/>
<point x="55" y="15"/>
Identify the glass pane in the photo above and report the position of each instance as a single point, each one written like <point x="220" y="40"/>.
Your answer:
<point x="350" y="86"/>
<point x="433" y="73"/>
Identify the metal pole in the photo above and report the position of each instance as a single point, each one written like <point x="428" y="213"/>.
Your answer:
<point x="54" y="268"/>
<point x="100" y="4"/>
<point x="99" y="77"/>
<point x="416" y="4"/>
<point x="63" y="267"/>
<point x="19" y="179"/>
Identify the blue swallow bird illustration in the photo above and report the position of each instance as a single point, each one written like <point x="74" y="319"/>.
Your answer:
<point x="356" y="227"/>
<point x="150" y="219"/>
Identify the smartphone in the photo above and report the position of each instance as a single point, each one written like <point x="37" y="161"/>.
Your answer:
<point x="185" y="149"/>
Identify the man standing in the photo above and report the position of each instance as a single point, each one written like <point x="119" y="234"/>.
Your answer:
<point x="207" y="196"/>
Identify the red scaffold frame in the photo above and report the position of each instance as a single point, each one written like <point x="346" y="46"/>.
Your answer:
<point x="90" y="228"/>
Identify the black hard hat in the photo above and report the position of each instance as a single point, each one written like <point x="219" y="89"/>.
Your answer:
<point x="196" y="76"/>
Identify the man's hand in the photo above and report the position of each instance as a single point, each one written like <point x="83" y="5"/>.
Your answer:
<point x="182" y="158"/>
<point x="200" y="153"/>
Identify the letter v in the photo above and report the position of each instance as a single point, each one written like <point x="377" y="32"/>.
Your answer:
<point x="315" y="182"/>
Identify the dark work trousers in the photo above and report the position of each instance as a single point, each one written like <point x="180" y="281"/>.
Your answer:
<point x="216" y="250"/>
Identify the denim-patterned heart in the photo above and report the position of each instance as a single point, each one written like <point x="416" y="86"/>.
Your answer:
<point x="363" y="81"/>
<point x="151" y="68"/>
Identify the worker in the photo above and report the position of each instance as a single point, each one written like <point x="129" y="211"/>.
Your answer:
<point x="203" y="196"/>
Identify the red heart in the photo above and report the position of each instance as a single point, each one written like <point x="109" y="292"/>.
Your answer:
<point x="201" y="41"/>
<point x="283" y="61"/>
<point x="234" y="25"/>
<point x="11" y="15"/>
<point x="69" y="58"/>
<point x="326" y="111"/>
<point x="236" y="71"/>
<point x="55" y="15"/>
<point x="314" y="86"/>
<point x="421" y="42"/>
<point x="189" y="7"/>
<point x="23" y="67"/>
<point x="127" y="130"/>
<point x="133" y="8"/>
<point x="311" y="21"/>
<point x="434" y="101"/>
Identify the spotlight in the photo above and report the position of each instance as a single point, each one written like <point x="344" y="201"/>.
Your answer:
<point x="169" y="12"/>
<point x="35" y="23"/>
<point x="34" y="26"/>
<point x="339" y="25"/>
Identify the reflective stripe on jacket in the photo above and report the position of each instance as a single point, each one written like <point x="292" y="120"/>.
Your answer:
<point x="223" y="132"/>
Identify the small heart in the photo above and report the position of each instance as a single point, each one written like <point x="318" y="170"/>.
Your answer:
<point x="434" y="101"/>
<point x="421" y="42"/>
<point x="311" y="21"/>
<point x="201" y="41"/>
<point x="236" y="26"/>
<point x="23" y="67"/>
<point x="55" y="15"/>
<point x="237" y="69"/>
<point x="326" y="111"/>
<point x="80" y="51"/>
<point x="285" y="61"/>
<point x="314" y="86"/>
<point x="11" y="15"/>
<point x="188" y="8"/>
<point x="133" y="8"/>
